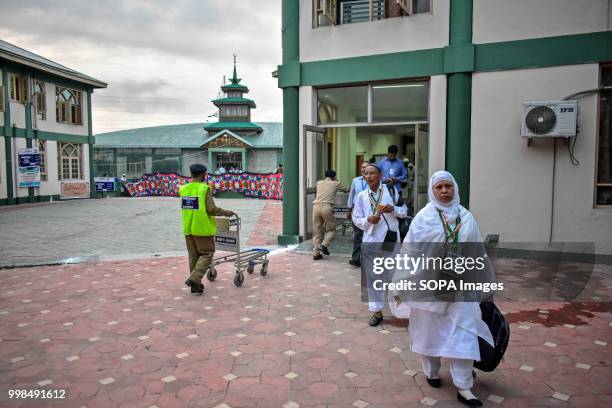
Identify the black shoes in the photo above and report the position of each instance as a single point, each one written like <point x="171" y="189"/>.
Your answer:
<point x="195" y="288"/>
<point x="434" y="382"/>
<point x="324" y="250"/>
<point x="468" y="402"/>
<point x="355" y="263"/>
<point x="317" y="257"/>
<point x="375" y="319"/>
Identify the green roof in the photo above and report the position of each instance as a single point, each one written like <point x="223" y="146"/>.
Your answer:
<point x="234" y="87"/>
<point x="231" y="126"/>
<point x="191" y="135"/>
<point x="234" y="101"/>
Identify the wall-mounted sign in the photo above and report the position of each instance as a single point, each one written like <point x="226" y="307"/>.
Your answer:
<point x="104" y="184"/>
<point x="28" y="172"/>
<point x="74" y="189"/>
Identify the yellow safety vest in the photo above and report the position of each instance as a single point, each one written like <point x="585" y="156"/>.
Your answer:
<point x="196" y="221"/>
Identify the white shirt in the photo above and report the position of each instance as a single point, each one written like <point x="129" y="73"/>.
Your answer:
<point x="362" y="210"/>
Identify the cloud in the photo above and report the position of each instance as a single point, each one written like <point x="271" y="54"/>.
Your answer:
<point x="170" y="54"/>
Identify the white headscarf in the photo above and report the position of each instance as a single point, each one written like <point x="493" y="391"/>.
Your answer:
<point x="451" y="208"/>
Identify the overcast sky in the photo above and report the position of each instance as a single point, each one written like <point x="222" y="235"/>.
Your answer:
<point x="163" y="61"/>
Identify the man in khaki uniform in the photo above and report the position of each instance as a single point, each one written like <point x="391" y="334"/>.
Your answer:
<point x="323" y="213"/>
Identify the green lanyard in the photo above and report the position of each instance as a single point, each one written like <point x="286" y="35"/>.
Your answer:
<point x="375" y="201"/>
<point x="450" y="233"/>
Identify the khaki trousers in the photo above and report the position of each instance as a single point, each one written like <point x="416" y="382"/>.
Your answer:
<point x="322" y="214"/>
<point x="201" y="251"/>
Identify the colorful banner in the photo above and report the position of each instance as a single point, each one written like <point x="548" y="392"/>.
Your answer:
<point x="268" y="186"/>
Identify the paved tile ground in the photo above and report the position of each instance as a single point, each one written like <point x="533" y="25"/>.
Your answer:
<point x="127" y="333"/>
<point x="104" y="229"/>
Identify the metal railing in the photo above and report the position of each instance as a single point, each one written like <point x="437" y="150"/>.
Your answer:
<point x="362" y="10"/>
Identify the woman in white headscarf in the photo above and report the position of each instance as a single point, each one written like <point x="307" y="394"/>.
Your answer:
<point x="439" y="328"/>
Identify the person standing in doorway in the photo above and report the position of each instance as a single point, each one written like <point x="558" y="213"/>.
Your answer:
<point x="323" y="213"/>
<point x="199" y="225"/>
<point x="393" y="171"/>
<point x="357" y="186"/>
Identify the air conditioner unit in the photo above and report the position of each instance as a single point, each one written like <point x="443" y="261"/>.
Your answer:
<point x="549" y="119"/>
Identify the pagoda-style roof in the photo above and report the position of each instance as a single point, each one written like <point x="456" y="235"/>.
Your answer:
<point x="233" y="126"/>
<point x="235" y="87"/>
<point x="234" y="101"/>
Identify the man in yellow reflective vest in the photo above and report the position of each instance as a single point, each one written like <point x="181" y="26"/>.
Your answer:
<point x="199" y="226"/>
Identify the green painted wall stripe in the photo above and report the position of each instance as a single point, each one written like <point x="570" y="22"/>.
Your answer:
<point x="374" y="67"/>
<point x="7" y="102"/>
<point x="460" y="28"/>
<point x="92" y="187"/>
<point x="8" y="151"/>
<point x="538" y="52"/>
<point x="459" y="100"/>
<point x="458" y="128"/>
<point x="545" y="52"/>
<point x="291" y="133"/>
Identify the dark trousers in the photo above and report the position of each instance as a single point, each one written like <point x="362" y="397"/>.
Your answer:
<point x="357" y="238"/>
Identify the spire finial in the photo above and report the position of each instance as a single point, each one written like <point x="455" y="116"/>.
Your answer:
<point x="235" y="78"/>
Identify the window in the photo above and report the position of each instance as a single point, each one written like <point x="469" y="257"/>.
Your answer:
<point x="68" y="106"/>
<point x="232" y="160"/>
<point x="42" y="149"/>
<point x="17" y="88"/>
<point x="137" y="167"/>
<point x="332" y="12"/>
<point x="343" y="105"/>
<point x="603" y="184"/>
<point x="374" y="103"/>
<point x="69" y="160"/>
<point x="400" y="102"/>
<point x="1" y="98"/>
<point x="39" y="98"/>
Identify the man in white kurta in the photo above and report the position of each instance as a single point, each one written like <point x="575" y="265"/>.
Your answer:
<point x="375" y="227"/>
<point x="442" y="329"/>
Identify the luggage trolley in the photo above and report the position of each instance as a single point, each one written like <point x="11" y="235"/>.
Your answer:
<point x="341" y="213"/>
<point x="227" y="239"/>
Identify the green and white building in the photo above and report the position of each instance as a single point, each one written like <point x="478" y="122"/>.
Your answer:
<point x="234" y="142"/>
<point x="446" y="81"/>
<point x="47" y="106"/>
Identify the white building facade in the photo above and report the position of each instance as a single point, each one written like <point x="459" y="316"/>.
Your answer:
<point x="446" y="82"/>
<point x="47" y="106"/>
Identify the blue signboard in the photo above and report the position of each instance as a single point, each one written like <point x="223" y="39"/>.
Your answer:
<point x="104" y="184"/>
<point x="29" y="159"/>
<point x="28" y="172"/>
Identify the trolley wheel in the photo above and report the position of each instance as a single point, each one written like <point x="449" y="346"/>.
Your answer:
<point x="264" y="269"/>
<point x="211" y="274"/>
<point x="251" y="267"/>
<point x="239" y="278"/>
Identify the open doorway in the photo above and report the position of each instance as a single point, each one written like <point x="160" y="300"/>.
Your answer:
<point x="345" y="148"/>
<point x="352" y="145"/>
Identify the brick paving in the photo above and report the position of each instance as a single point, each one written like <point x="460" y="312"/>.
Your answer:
<point x="128" y="334"/>
<point x="269" y="225"/>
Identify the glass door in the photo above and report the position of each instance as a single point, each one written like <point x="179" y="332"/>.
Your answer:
<point x="421" y="167"/>
<point x="314" y="155"/>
